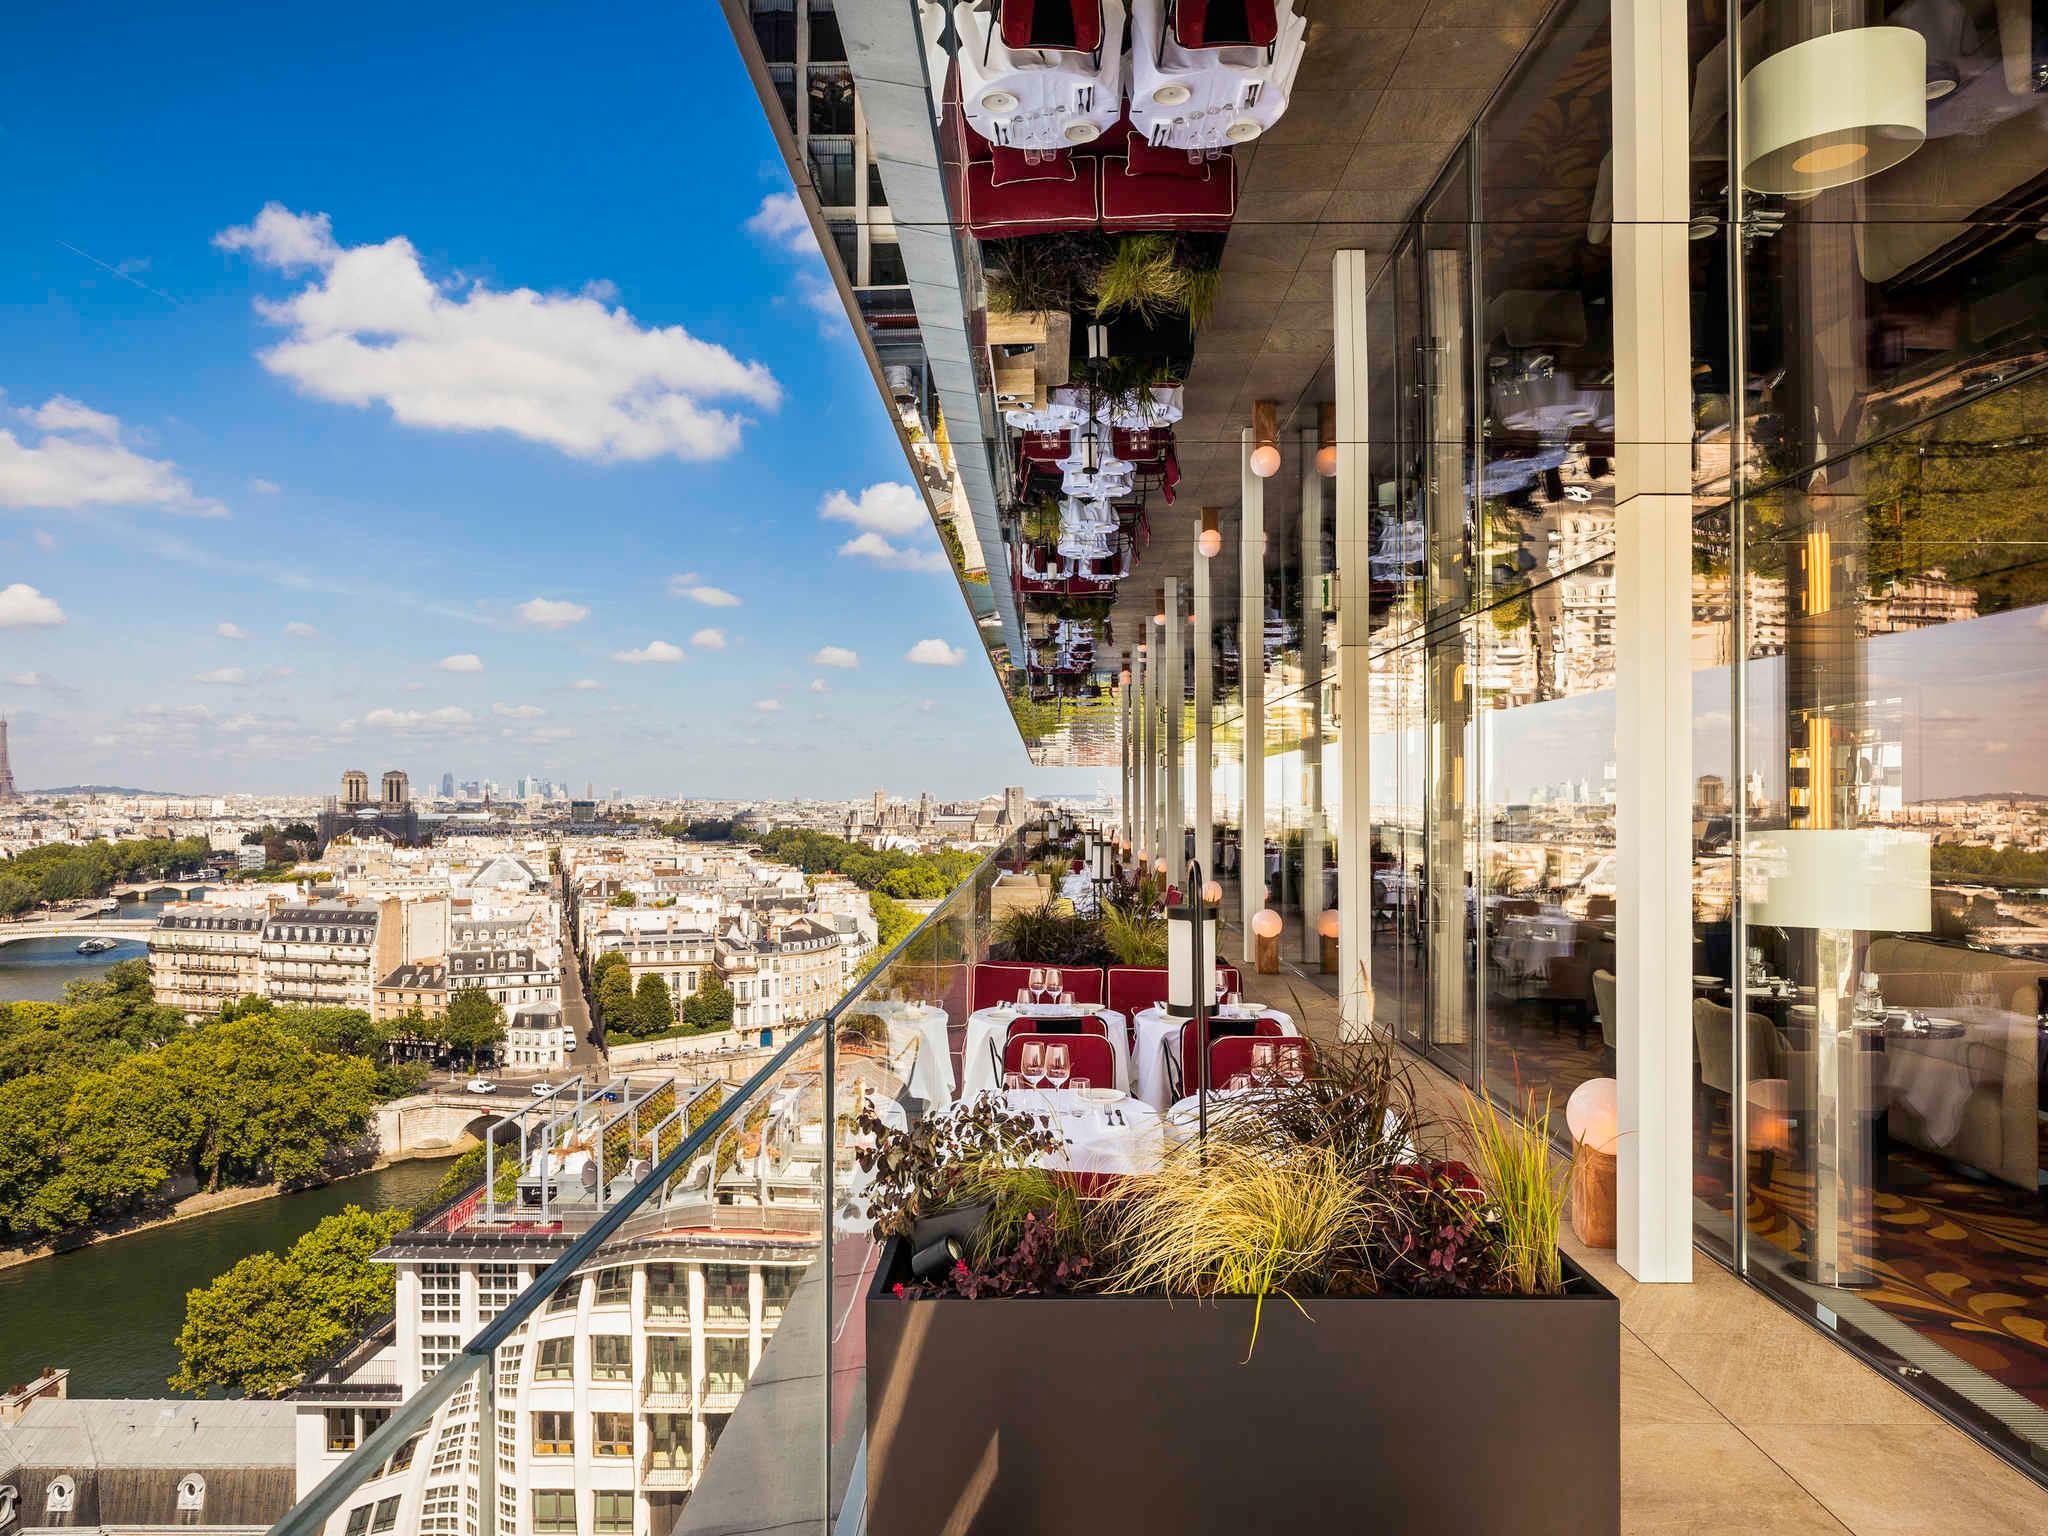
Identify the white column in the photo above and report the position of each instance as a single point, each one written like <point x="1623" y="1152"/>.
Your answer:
<point x="1312" y="700"/>
<point x="1127" y="714"/>
<point x="1173" y="686"/>
<point x="1205" y="805"/>
<point x="1251" y="656"/>
<point x="1351" y="277"/>
<point x="1148" y="763"/>
<point x="1652" y="641"/>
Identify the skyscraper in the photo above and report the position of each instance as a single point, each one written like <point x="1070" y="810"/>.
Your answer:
<point x="7" y="790"/>
<point x="447" y="786"/>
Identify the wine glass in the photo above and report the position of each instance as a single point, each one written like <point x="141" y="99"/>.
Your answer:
<point x="1013" y="1080"/>
<point x="1239" y="1080"/>
<point x="1053" y="984"/>
<point x="1058" y="1063"/>
<point x="1023" y="996"/>
<point x="1293" y="1063"/>
<point x="1262" y="1058"/>
<point x="1038" y="981"/>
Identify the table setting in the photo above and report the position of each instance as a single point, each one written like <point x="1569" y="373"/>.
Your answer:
<point x="1157" y="1067"/>
<point x="1106" y="1131"/>
<point x="981" y="1053"/>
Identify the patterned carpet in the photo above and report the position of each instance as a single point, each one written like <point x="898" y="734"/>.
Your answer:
<point x="1961" y="1261"/>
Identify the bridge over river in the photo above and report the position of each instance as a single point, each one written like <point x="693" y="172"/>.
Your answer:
<point x="85" y="925"/>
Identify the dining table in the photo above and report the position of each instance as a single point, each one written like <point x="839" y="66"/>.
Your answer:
<point x="1156" y="1068"/>
<point x="1103" y="1131"/>
<point x="981" y="1053"/>
<point x="918" y="1046"/>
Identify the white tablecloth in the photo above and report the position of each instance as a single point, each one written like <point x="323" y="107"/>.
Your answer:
<point x="1121" y="1138"/>
<point x="928" y="1069"/>
<point x="1159" y="1044"/>
<point x="981" y="1066"/>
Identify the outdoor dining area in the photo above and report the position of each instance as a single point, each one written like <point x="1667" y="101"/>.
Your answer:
<point x="1105" y="1051"/>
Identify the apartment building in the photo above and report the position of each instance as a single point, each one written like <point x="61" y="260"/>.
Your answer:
<point x="684" y="957"/>
<point x="202" y="956"/>
<point x="788" y="974"/>
<point x="514" y="976"/>
<point x="330" y="954"/>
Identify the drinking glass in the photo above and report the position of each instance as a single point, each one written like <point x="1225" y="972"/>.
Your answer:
<point x="1262" y="1058"/>
<point x="1080" y="1083"/>
<point x="1239" y="1080"/>
<point x="1023" y="996"/>
<point x="1057" y="1063"/>
<point x="1054" y="982"/>
<point x="1031" y="1062"/>
<point x="1293" y="1063"/>
<point x="1013" y="1079"/>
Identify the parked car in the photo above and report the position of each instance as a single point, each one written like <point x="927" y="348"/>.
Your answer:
<point x="540" y="1090"/>
<point x="482" y="1085"/>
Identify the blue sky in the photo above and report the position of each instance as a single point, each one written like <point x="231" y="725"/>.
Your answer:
<point x="375" y="392"/>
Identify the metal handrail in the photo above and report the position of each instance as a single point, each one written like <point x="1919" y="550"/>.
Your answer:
<point x="309" y="1516"/>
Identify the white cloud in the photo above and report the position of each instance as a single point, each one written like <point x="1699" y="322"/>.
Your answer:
<point x="551" y="613"/>
<point x="711" y="597"/>
<point x="25" y="679"/>
<point x="890" y="507"/>
<point x="279" y="238"/>
<point x="298" y="629"/>
<point x="935" y="653"/>
<point x="781" y="220"/>
<point x="518" y="711"/>
<point x="22" y="606"/>
<point x="415" y="719"/>
<point x="768" y="706"/>
<point x="818" y="295"/>
<point x="589" y="685"/>
<point x="653" y="650"/>
<point x="872" y="546"/>
<point x="709" y="639"/>
<point x="80" y="461"/>
<point x="265" y="487"/>
<point x="461" y="661"/>
<point x="230" y="631"/>
<point x="225" y="677"/>
<point x="565" y="370"/>
<point x="836" y="656"/>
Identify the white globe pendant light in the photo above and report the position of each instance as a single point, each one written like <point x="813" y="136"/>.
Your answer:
<point x="1834" y="109"/>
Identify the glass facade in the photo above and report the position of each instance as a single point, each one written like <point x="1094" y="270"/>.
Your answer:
<point x="1869" y="1027"/>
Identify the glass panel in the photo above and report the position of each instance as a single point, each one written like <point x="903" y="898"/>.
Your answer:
<point x="1451" y="666"/>
<point x="1718" y="777"/>
<point x="832" y="171"/>
<point x="1546" y="311"/>
<point x="1896" y="929"/>
<point x="1443" y="366"/>
<point x="831" y="95"/>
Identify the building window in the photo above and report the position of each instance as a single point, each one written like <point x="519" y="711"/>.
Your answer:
<point x="778" y="1283"/>
<point x="554" y="1512"/>
<point x="564" y="1299"/>
<point x="783" y="78"/>
<point x="440" y="1293"/>
<point x="831" y="93"/>
<point x="668" y="1291"/>
<point x="437" y="1349"/>
<point x="611" y="1434"/>
<point x="387" y="1515"/>
<point x="358" y="1521"/>
<point x="341" y="1429"/>
<point x="611" y="1357"/>
<point x="554" y="1433"/>
<point x="832" y="171"/>
<point x="510" y="1356"/>
<point x="402" y="1457"/>
<point x="613" y="1514"/>
<point x="191" y="1494"/>
<point x="725" y="1293"/>
<point x="885" y="269"/>
<point x="614" y="1287"/>
<point x="877" y="198"/>
<point x="668" y="1364"/>
<point x="497" y="1285"/>
<point x="556" y="1360"/>
<point x="725" y="1365"/>
<point x="668" y="1441"/>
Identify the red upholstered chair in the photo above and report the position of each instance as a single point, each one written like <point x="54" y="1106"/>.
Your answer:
<point x="1134" y="988"/>
<point x="1222" y="23"/>
<point x="1147" y="188"/>
<point x="1062" y="26"/>
<point x="1088" y="1056"/>
<point x="1234" y="1054"/>
<point x="1006" y="198"/>
<point x="1219" y="1029"/>
<point x="997" y="981"/>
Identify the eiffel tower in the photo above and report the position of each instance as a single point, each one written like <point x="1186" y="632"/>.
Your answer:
<point x="7" y="790"/>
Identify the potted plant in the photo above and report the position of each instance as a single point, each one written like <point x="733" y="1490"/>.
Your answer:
<point x="1318" y="1318"/>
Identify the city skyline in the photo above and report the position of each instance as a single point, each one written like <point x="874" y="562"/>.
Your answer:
<point x="402" y="473"/>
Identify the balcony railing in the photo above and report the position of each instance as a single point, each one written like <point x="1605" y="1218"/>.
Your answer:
<point x="756" y="1165"/>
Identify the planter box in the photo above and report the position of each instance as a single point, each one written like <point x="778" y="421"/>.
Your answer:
<point x="1455" y="1415"/>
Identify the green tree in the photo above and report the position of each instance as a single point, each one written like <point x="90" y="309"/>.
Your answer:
<point x="624" y="899"/>
<point x="475" y="1024"/>
<point x="653" y="1008"/>
<point x="615" y="998"/>
<point x="710" y="1006"/>
<point x="256" y="1329"/>
<point x="16" y="895"/>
